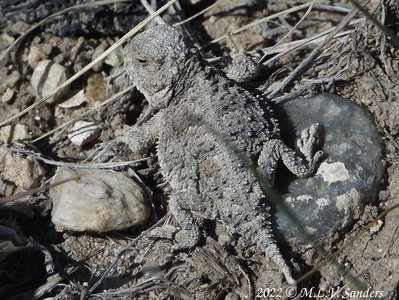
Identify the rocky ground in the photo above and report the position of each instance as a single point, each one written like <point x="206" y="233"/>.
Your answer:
<point x="41" y="260"/>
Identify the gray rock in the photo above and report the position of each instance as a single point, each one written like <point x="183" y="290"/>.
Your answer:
<point x="13" y="133"/>
<point x="347" y="178"/>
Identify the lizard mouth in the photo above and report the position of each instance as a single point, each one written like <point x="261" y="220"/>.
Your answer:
<point x="159" y="98"/>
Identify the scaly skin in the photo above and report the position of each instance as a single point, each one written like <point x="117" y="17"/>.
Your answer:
<point x="208" y="180"/>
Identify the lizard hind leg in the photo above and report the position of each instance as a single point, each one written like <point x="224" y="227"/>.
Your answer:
<point x="266" y="243"/>
<point x="260" y="232"/>
<point x="181" y="207"/>
<point x="186" y="237"/>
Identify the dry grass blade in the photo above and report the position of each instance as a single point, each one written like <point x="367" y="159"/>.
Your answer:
<point x="105" y="102"/>
<point x="42" y="22"/>
<point x="256" y="22"/>
<point x="123" y="250"/>
<point x="150" y="10"/>
<point x="316" y="52"/>
<point x="5" y="200"/>
<point x="290" y="31"/>
<point x="196" y="15"/>
<point x="128" y="35"/>
<point x="290" y="47"/>
<point x="110" y="165"/>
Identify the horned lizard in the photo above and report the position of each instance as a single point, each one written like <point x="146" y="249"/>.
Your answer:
<point x="208" y="180"/>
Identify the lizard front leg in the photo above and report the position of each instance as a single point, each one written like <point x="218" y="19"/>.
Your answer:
<point x="141" y="138"/>
<point x="301" y="163"/>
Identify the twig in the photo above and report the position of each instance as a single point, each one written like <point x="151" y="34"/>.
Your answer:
<point x="110" y="165"/>
<point x="52" y="162"/>
<point x="258" y="21"/>
<point x="196" y="15"/>
<point x="250" y="292"/>
<point x="6" y="200"/>
<point x="150" y="10"/>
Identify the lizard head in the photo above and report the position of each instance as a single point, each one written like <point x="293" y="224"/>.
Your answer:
<point x="155" y="60"/>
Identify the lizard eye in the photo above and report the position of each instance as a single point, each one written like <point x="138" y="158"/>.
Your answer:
<point x="142" y="60"/>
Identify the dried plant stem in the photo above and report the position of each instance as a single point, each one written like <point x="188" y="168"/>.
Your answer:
<point x="258" y="21"/>
<point x="196" y="15"/>
<point x="150" y="10"/>
<point x="107" y="101"/>
<point x="305" y="65"/>
<point x="290" y="31"/>
<point x="5" y="200"/>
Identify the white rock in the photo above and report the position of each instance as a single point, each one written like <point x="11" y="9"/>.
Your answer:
<point x="76" y="100"/>
<point x="376" y="227"/>
<point x="83" y="132"/>
<point x="26" y="172"/>
<point x="98" y="201"/>
<point x="35" y="55"/>
<point x="5" y="40"/>
<point x="12" y="133"/>
<point x="113" y="59"/>
<point x="96" y="53"/>
<point x="12" y="79"/>
<point x="8" y="96"/>
<point x="48" y="76"/>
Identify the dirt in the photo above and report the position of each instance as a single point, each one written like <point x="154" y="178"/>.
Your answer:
<point x="362" y="66"/>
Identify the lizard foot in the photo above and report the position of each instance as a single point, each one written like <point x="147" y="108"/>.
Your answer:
<point x="308" y="141"/>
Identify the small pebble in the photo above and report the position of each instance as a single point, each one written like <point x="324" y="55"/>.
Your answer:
<point x="25" y="172"/>
<point x="35" y="55"/>
<point x="97" y="201"/>
<point x="8" y="96"/>
<point x="46" y="77"/>
<point x="12" y="79"/>
<point x="96" y="53"/>
<point x="114" y="59"/>
<point x="76" y="100"/>
<point x="13" y="133"/>
<point x="83" y="132"/>
<point x="376" y="227"/>
<point x="5" y="40"/>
